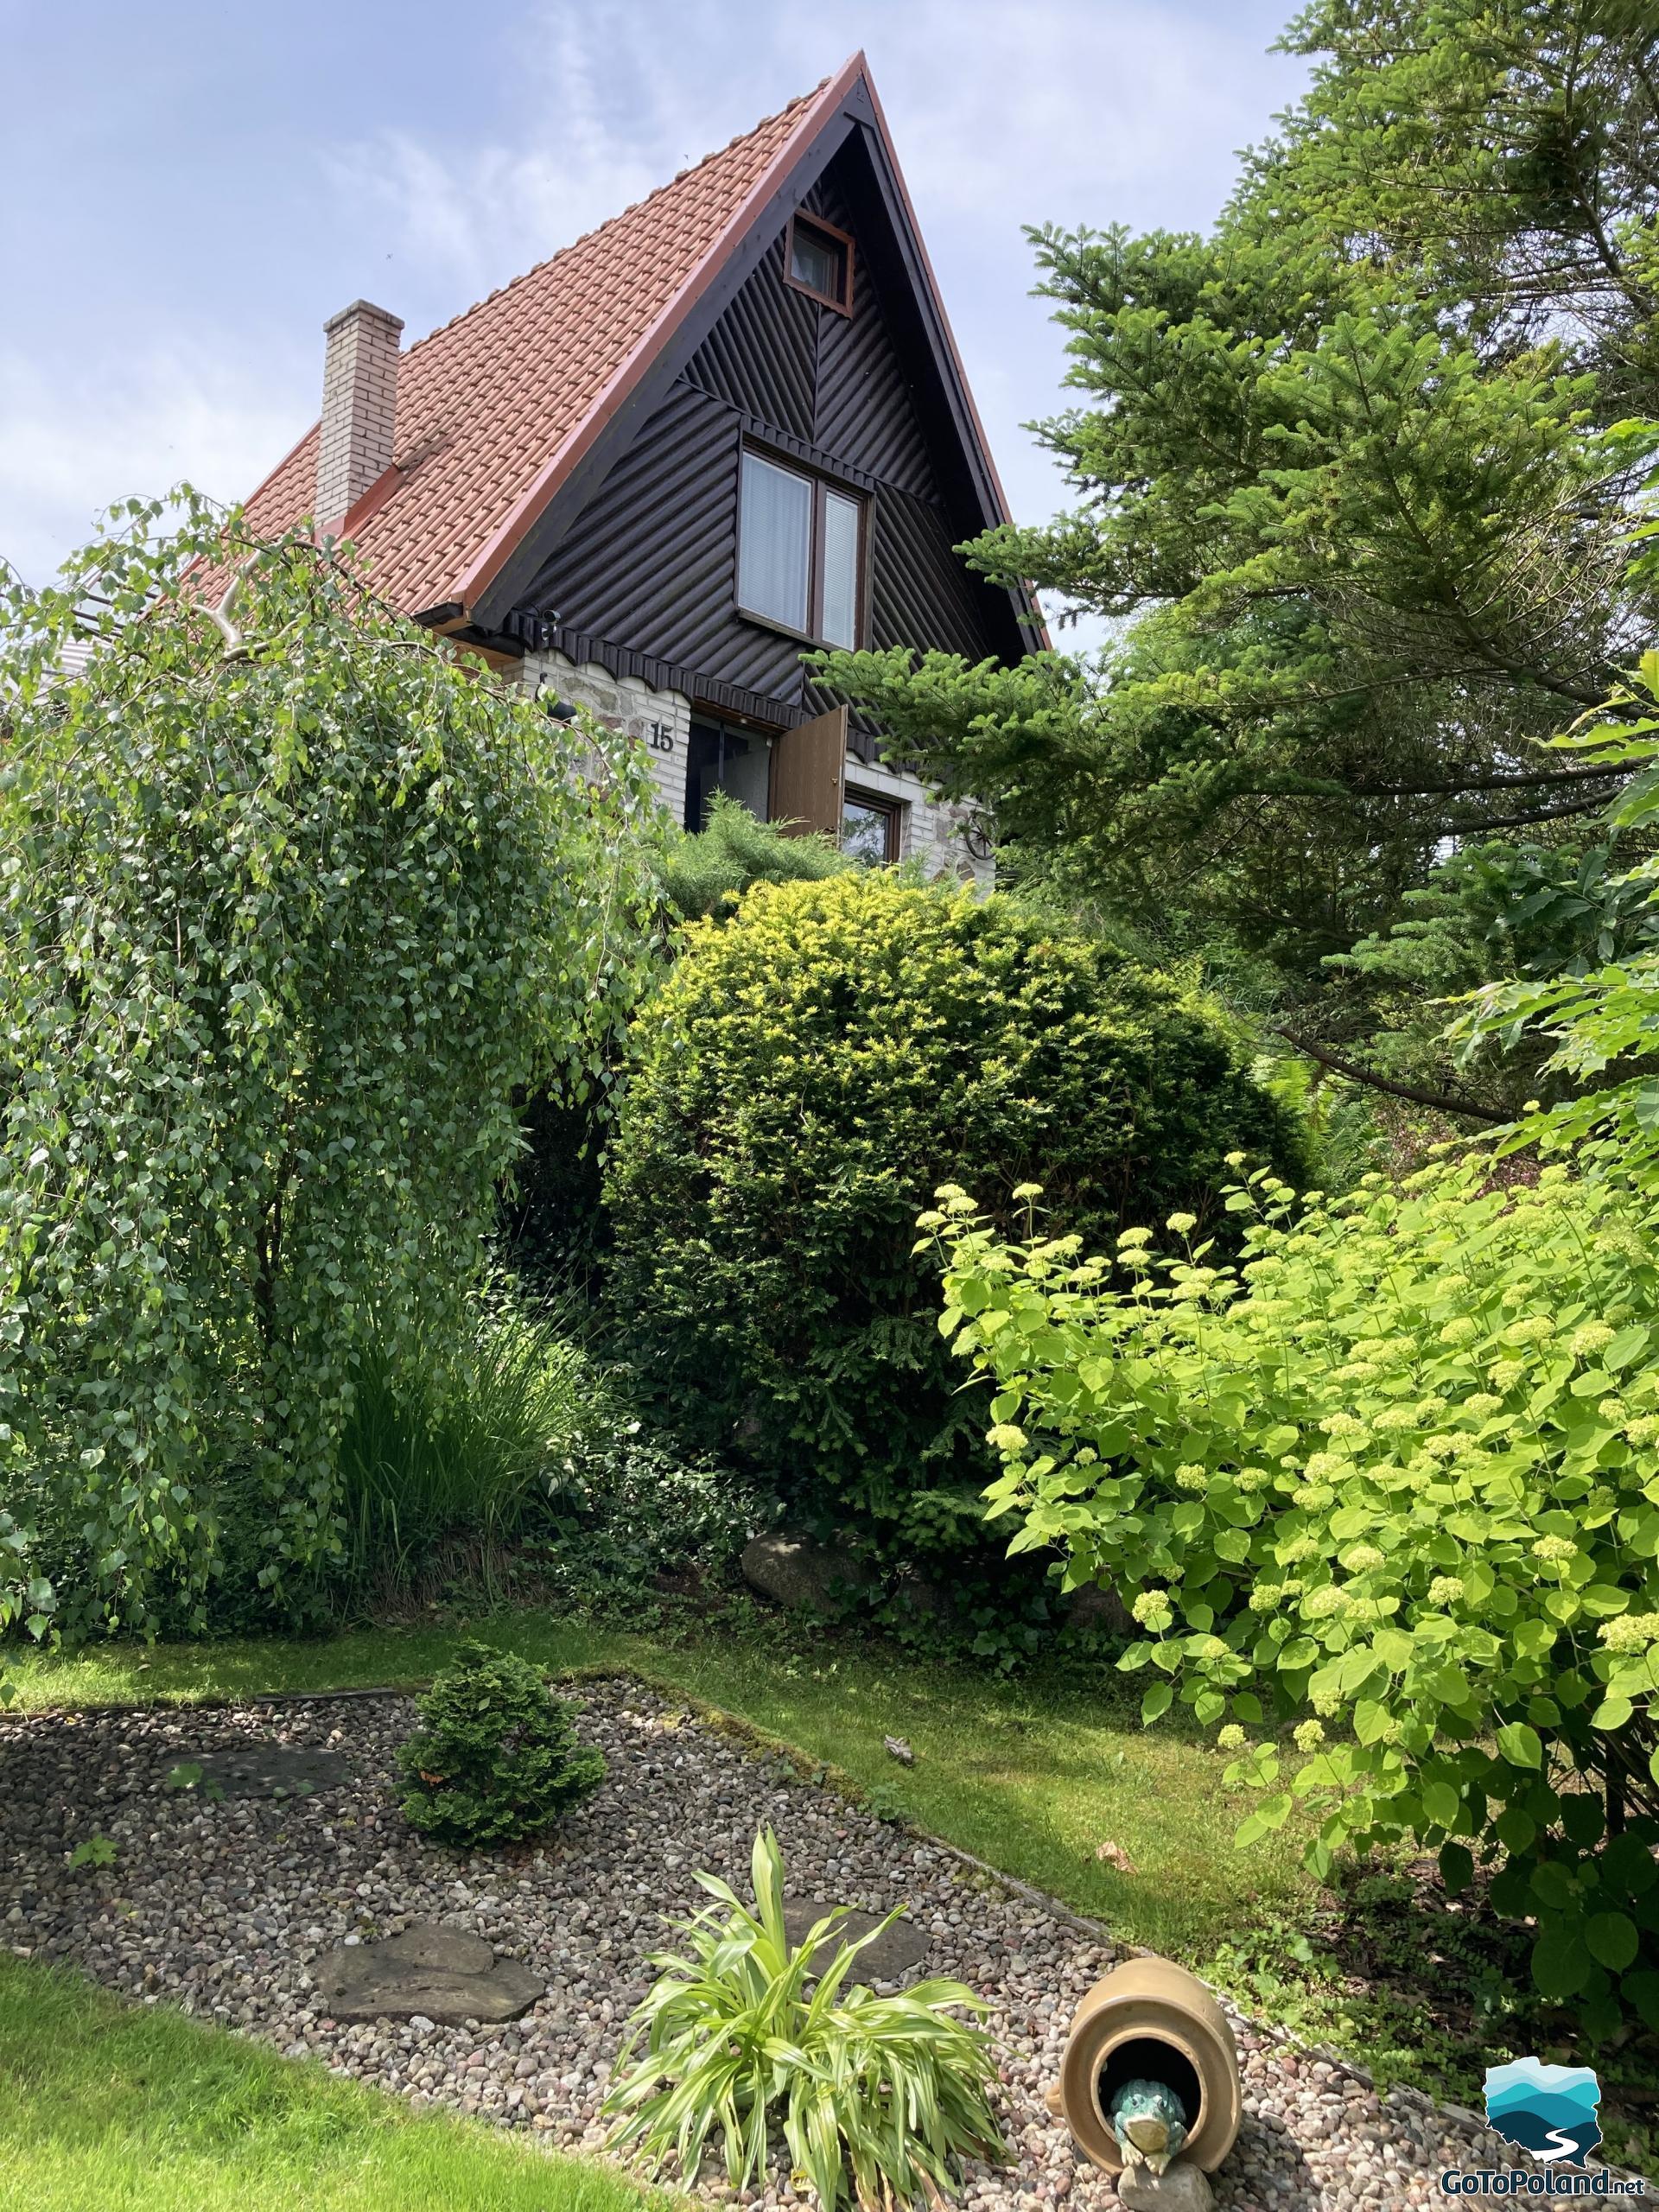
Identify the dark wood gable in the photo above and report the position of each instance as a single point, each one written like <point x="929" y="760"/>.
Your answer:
<point x="644" y="578"/>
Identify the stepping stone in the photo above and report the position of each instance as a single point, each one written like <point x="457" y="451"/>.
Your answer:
<point x="256" y="1770"/>
<point x="892" y="1954"/>
<point x="445" y="1974"/>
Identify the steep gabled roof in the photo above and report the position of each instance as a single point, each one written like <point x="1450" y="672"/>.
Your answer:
<point x="500" y="409"/>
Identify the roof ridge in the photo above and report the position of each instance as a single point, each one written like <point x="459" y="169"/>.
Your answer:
<point x="801" y="100"/>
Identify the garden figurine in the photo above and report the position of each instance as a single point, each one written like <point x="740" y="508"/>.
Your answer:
<point x="1150" y="2121"/>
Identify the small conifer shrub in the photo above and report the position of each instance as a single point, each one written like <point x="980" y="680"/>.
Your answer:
<point x="498" y="1758"/>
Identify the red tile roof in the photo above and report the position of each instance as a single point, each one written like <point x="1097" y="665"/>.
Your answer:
<point x="497" y="406"/>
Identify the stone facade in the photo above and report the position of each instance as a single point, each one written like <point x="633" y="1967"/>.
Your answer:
<point x="932" y="831"/>
<point x="661" y="721"/>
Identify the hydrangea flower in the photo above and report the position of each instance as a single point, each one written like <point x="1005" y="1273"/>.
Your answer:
<point x="1631" y="1631"/>
<point x="1392" y="1419"/>
<point x="1308" y="1735"/>
<point x="1313" y="1497"/>
<point x="1531" y="1329"/>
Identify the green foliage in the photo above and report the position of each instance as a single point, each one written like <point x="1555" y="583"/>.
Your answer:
<point x="287" y="918"/>
<point x="1492" y="913"/>
<point x="96" y="1850"/>
<point x="1359" y="466"/>
<point x="881" y="2097"/>
<point x="470" y="1443"/>
<point x="706" y="871"/>
<point x="636" y="1527"/>
<point x="1396" y="1463"/>
<point x="498" y="1758"/>
<point x="1603" y="1021"/>
<point x="806" y="1073"/>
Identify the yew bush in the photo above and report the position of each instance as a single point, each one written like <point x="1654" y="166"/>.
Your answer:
<point x="808" y="1071"/>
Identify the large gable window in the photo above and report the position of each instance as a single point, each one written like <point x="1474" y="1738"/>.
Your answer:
<point x="818" y="259"/>
<point x="800" y="552"/>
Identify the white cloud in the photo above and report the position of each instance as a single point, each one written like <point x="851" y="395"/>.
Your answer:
<point x="71" y="444"/>
<point x="602" y="120"/>
<point x="1077" y="114"/>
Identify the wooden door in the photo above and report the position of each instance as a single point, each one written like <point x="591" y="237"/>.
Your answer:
<point x="809" y="769"/>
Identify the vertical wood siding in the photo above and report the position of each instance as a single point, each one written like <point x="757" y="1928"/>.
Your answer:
<point x="651" y="565"/>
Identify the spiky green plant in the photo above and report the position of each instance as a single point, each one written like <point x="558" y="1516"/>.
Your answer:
<point x="879" y="2097"/>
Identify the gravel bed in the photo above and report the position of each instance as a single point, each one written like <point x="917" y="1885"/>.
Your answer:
<point x="223" y="1907"/>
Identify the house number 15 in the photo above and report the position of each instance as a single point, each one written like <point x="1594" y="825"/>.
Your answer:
<point x="662" y="738"/>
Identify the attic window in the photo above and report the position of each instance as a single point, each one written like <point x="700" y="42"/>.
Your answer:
<point x="819" y="262"/>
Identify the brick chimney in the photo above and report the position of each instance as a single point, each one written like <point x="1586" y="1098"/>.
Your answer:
<point x="359" y="408"/>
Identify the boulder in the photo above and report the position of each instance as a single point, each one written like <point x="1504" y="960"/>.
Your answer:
<point x="261" y="1769"/>
<point x="804" y="1576"/>
<point x="1097" y="1606"/>
<point x="437" y="1972"/>
<point x="1181" y="2187"/>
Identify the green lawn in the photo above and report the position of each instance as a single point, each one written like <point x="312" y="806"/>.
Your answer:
<point x="1032" y="1774"/>
<point x="107" y="2106"/>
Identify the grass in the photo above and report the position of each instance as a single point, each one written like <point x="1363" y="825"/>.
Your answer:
<point x="135" y="2109"/>
<point x="1032" y="1775"/>
<point x="466" y="1449"/>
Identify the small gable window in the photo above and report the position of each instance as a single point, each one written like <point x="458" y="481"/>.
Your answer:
<point x="818" y="259"/>
<point x="800" y="552"/>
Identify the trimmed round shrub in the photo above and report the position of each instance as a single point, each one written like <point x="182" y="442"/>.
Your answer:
<point x="498" y="1758"/>
<point x="807" y="1076"/>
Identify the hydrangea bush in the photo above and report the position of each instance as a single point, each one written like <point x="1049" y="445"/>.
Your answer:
<point x="1395" y="1471"/>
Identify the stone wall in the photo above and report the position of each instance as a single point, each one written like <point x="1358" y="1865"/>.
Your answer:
<point x="661" y="721"/>
<point x="933" y="831"/>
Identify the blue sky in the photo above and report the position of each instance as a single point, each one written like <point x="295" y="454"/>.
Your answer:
<point x="188" y="188"/>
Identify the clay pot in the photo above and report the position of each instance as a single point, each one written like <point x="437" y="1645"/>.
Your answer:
<point x="1150" y="2017"/>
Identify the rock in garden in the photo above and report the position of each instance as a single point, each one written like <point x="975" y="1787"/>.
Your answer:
<point x="803" y="1576"/>
<point x="893" y="1953"/>
<point x="443" y="1974"/>
<point x="253" y="1769"/>
<point x="1180" y="2188"/>
<point x="1096" y="1605"/>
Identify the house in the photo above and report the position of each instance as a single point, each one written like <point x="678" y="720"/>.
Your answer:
<point x="729" y="425"/>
